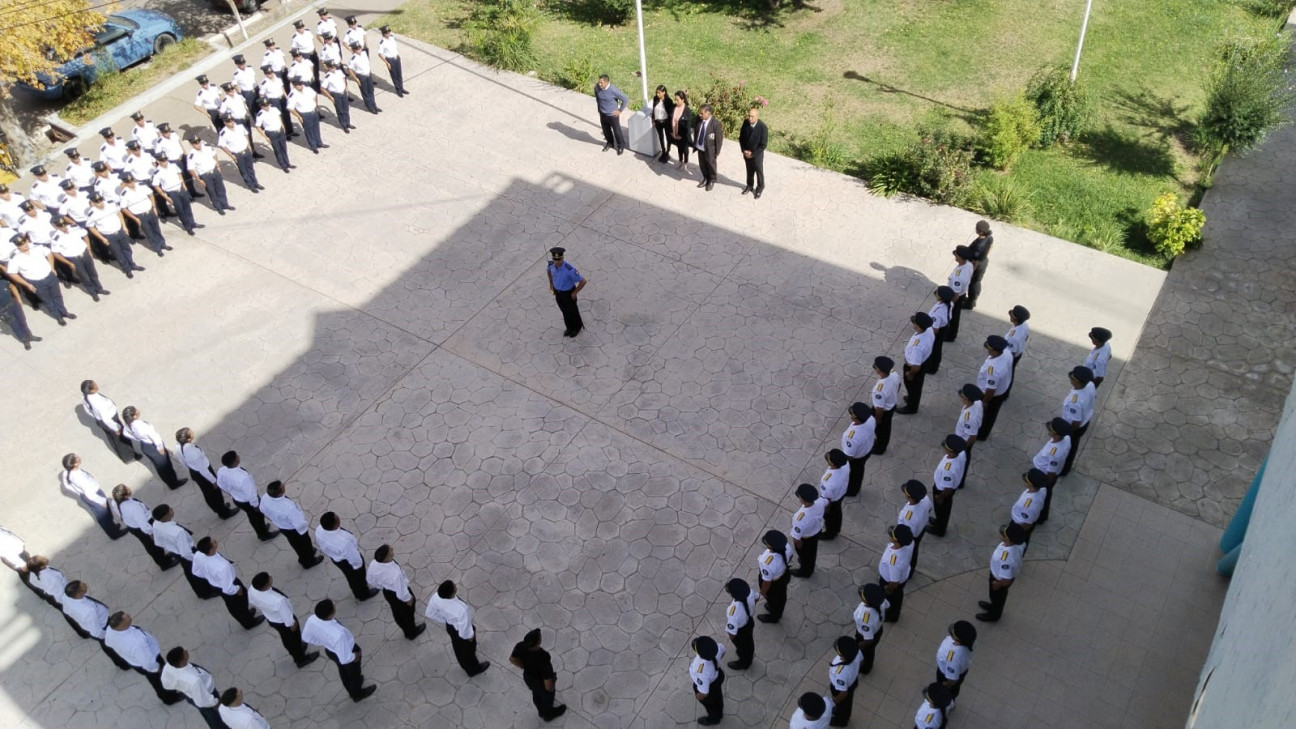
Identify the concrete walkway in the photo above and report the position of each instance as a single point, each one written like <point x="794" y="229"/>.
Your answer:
<point x="374" y="329"/>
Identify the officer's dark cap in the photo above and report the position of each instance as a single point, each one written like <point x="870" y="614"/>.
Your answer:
<point x="922" y="319"/>
<point x="133" y="144"/>
<point x="997" y="343"/>
<point x="883" y="364"/>
<point x="1102" y="335"/>
<point x="96" y="197"/>
<point x="955" y="443"/>
<point x="1013" y="533"/>
<point x="1020" y="313"/>
<point x="164" y="127"/>
<point x="558" y="251"/>
<point x="240" y="60"/>
<point x="38" y="170"/>
<point x="72" y="152"/>
<point x="99" y="166"/>
<point x="1060" y="426"/>
<point x="26" y="205"/>
<point x="138" y="116"/>
<point x="202" y="79"/>
<point x="106" y="132"/>
<point x="1082" y="374"/>
<point x="269" y="42"/>
<point x="807" y="492"/>
<point x="68" y="184"/>
<point x="914" y="489"/>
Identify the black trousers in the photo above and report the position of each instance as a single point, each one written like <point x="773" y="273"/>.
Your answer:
<point x="776" y="596"/>
<point x="942" y="505"/>
<point x="119" y="247"/>
<point x="87" y="272"/>
<point x="397" y="75"/>
<point x="868" y="650"/>
<point x="992" y="414"/>
<point x="914" y="388"/>
<point x="570" y="311"/>
<point x="542" y="697"/>
<point x="215" y="183"/>
<point x="201" y="587"/>
<point x="807" y="553"/>
<point x="1048" y="503"/>
<point x="367" y="93"/>
<point x="355" y="577"/>
<point x="956" y="687"/>
<point x="662" y="128"/>
<point x="402" y="613"/>
<point x="612" y="134"/>
<point x="238" y="607"/>
<point x="159" y="555"/>
<point x="841" y="713"/>
<point x="49" y="293"/>
<point x="302" y="545"/>
<point x="832" y="520"/>
<point x="350" y="673"/>
<point x="896" y="600"/>
<point x="281" y="104"/>
<point x="152" y="230"/>
<point x="745" y="643"/>
<point x="917" y="542"/>
<point x="120" y="444"/>
<point x="104" y="518"/>
<point x="465" y="652"/>
<point x="883" y="433"/>
<point x="212" y="494"/>
<point x="155" y="680"/>
<point x="755" y="171"/>
<point x="211" y="715"/>
<point x="310" y="122"/>
<point x="951" y="331"/>
<point x="11" y="313"/>
<point x="974" y="286"/>
<point x="707" y="165"/>
<point x="714" y="701"/>
<point x="685" y="148"/>
<point x="342" y="106"/>
<point x="183" y="205"/>
<point x="933" y="363"/>
<point x="855" y="476"/>
<point x="256" y="519"/>
<point x="190" y="185"/>
<point x="214" y="116"/>
<point x="290" y="636"/>
<point x="243" y="160"/>
<point x="1076" y="435"/>
<point x="998" y="597"/>
<point x="162" y="465"/>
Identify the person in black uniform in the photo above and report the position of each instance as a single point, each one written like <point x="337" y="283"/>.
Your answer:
<point x="565" y="282"/>
<point x="538" y="674"/>
<point x="752" y="139"/>
<point x="980" y="248"/>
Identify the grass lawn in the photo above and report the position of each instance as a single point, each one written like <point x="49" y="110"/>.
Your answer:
<point x="112" y="89"/>
<point x="871" y="70"/>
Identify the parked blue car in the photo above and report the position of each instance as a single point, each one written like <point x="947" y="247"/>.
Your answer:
<point x="127" y="38"/>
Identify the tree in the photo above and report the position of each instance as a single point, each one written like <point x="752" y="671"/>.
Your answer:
<point x="37" y="36"/>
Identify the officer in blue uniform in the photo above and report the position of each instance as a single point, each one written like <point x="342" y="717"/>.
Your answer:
<point x="565" y="282"/>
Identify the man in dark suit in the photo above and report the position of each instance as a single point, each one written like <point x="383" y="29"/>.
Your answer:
<point x="707" y="140"/>
<point x="752" y="140"/>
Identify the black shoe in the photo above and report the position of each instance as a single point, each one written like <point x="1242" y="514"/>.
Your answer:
<point x="606" y="147"/>
<point x="803" y="574"/>
<point x="746" y="190"/>
<point x="258" y="155"/>
<point x="104" y="292"/>
<point x="62" y="322"/>
<point x="167" y="247"/>
<point x="95" y="297"/>
<point x="352" y="126"/>
<point x="66" y="284"/>
<point x="259" y="619"/>
<point x="373" y="592"/>
<point x="709" y="186"/>
<point x="227" y="514"/>
<point x="324" y="146"/>
<point x="829" y="537"/>
<point x="260" y="186"/>
<point x="169" y="563"/>
<point x="255" y="190"/>
<point x="230" y="208"/>
<point x="292" y="167"/>
<point x="221" y="212"/>
<point x="481" y="667"/>
<point x="197" y="195"/>
<point x="620" y="152"/>
<point x="986" y="618"/>
<point x="906" y="411"/>
<point x="139" y="268"/>
<point x="70" y="315"/>
<point x="365" y="693"/>
<point x="314" y="561"/>
<point x="702" y="183"/>
<point x="179" y="483"/>
<point x="417" y="631"/>
<point x="738" y="665"/>
<point x="757" y="194"/>
<point x="767" y="618"/>
<point x="985" y="605"/>
<point x="569" y="333"/>
<point x="190" y="231"/>
<point x="708" y="721"/>
<point x="558" y="711"/>
<point x="268" y="536"/>
<point x="285" y="169"/>
<point x="315" y="151"/>
<point x="308" y="659"/>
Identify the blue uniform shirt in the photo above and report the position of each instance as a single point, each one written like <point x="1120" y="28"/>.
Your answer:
<point x="565" y="277"/>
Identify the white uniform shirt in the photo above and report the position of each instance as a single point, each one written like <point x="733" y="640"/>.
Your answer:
<point x="304" y="41"/>
<point x="1097" y="359"/>
<point x="242" y="717"/>
<point x="141" y="431"/>
<point x="929" y="717"/>
<point x="146" y="134"/>
<point x="330" y="52"/>
<point x="106" y="220"/>
<point x="1028" y="506"/>
<point x="235" y="105"/>
<point x="140" y="166"/>
<point x="100" y="407"/>
<point x="9" y="209"/>
<point x="808" y="520"/>
<point x="196" y="460"/>
<point x="274" y="58"/>
<point x="273" y="604"/>
<point x="833" y="483"/>
<point x="284" y="513"/>
<point x="271" y="87"/>
<point x="192" y="681"/>
<point x="301" y="69"/>
<point x="326" y="25"/>
<point x="969" y="420"/>
<point x="389" y="576"/>
<point x="940" y="314"/>
<point x="87" y="612"/>
<point x="335" y="81"/>
<point x="33" y="265"/>
<point x="886" y="391"/>
<point x="339" y="545"/>
<point x="113" y="155"/>
<point x="46" y="191"/>
<point x="51" y="582"/>
<point x="996" y="374"/>
<point x="137" y="199"/>
<point x="740" y="613"/>
<point x="953" y="660"/>
<point x="919" y="347"/>
<point x="960" y="277"/>
<point x="107" y="186"/>
<point x="169" y="144"/>
<point x="857" y="440"/>
<point x="80" y="172"/>
<point x="915" y="516"/>
<point x="239" y="484"/>
<point x="270" y="120"/>
<point x="949" y="472"/>
<point x="80" y="482"/>
<point x="1052" y="456"/>
<point x="332" y="636"/>
<point x="868" y="620"/>
<point x="244" y="78"/>
<point x="75" y="205"/>
<point x="168" y="178"/>
<point x="203" y="160"/>
<point x="174" y="538"/>
<point x="303" y="100"/>
<point x="453" y="612"/>
<point x="799" y="720"/>
<point x="1006" y="560"/>
<point x="703" y="672"/>
<point x="136" y="515"/>
<point x="37" y="225"/>
<point x="218" y="571"/>
<point x="387" y="47"/>
<point x="896" y="563"/>
<point x="359" y="64"/>
<point x="208" y="97"/>
<point x="773" y="565"/>
<point x="354" y="34"/>
<point x="1017" y="338"/>
<point x="11" y="549"/>
<point x="843" y="674"/>
<point x="1078" y="405"/>
<point x="136" y="647"/>
<point x="233" y="139"/>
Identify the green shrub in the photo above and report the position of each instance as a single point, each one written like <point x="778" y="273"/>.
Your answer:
<point x="500" y="33"/>
<point x="938" y="167"/>
<point x="1011" y="127"/>
<point x="1277" y="9"/>
<point x="892" y="173"/>
<point x="822" y="148"/>
<point x="1172" y="227"/>
<point x="1064" y="108"/>
<point x="729" y="103"/>
<point x="1000" y="199"/>
<point x="1247" y="95"/>
<point x="611" y="12"/>
<point x="578" y="74"/>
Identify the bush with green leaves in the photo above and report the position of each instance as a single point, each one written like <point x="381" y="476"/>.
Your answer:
<point x="610" y="12"/>
<point x="1173" y="227"/>
<point x="938" y="166"/>
<point x="1247" y="96"/>
<point x="1065" y="108"/>
<point x="578" y="74"/>
<point x="500" y="33"/>
<point x="729" y="103"/>
<point x="999" y="198"/>
<point x="1010" y="128"/>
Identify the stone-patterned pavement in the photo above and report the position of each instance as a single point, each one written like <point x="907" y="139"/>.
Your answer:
<point x="374" y="330"/>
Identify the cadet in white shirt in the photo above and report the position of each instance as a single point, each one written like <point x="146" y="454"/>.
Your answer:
<point x="273" y="88"/>
<point x="995" y="380"/>
<point x="301" y="67"/>
<point x="934" y="708"/>
<point x="946" y="480"/>
<point x="140" y="165"/>
<point x="915" y="513"/>
<point x="151" y="445"/>
<point x="234" y="105"/>
<point x="813" y="712"/>
<point x="857" y="444"/>
<point x="287" y="516"/>
<point x="33" y="269"/>
<point x="390" y="54"/>
<point x="326" y="25"/>
<point x="334" y="88"/>
<point x="1098" y="357"/>
<point x="203" y="167"/>
<point x="940" y="314"/>
<point x="278" y="611"/>
<point x="304" y="104"/>
<point x="1050" y="458"/>
<point x="78" y="170"/>
<point x="238" y="715"/>
<point x="236" y="143"/>
<point x="340" y="546"/>
<point x="168" y="143"/>
<point x="868" y="623"/>
<point x="105" y="182"/>
<point x="355" y="34"/>
<point x="740" y="622"/>
<point x="774" y="567"/>
<point x="235" y="480"/>
<point x="885" y="394"/>
<point x="200" y="470"/>
<point x="385" y="574"/>
<point x="9" y="202"/>
<point x="79" y="483"/>
<point x="103" y="411"/>
<point x="1019" y="334"/>
<point x="137" y="205"/>
<point x="113" y="151"/>
<point x="807" y="523"/>
<point x="144" y="132"/>
<point x="833" y="488"/>
<point x="1078" y="409"/>
<point x="245" y="80"/>
<point x="271" y="126"/>
<point x="446" y="607"/>
<point x="330" y="53"/>
<point x="708" y="679"/>
<point x="1005" y="565"/>
<point x="107" y="225"/>
<point x="208" y="101"/>
<point x="45" y="190"/>
<point x="71" y="249"/>
<point x="44" y="580"/>
<point x="13" y="553"/>
<point x="168" y="182"/>
<point x="138" y="648"/>
<point x="954" y="656"/>
<point x="843" y="678"/>
<point x="73" y="203"/>
<point x="138" y="520"/>
<point x="895" y="569"/>
<point x="323" y="630"/>
<point x="195" y="683"/>
<point x="214" y="567"/>
<point x="969" y="418"/>
<point x="361" y="71"/>
<point x="917" y="350"/>
<point x="178" y="540"/>
<point x="35" y="222"/>
<point x="274" y="58"/>
<point x="303" y="46"/>
<point x="1026" y="510"/>
<point x="87" y="616"/>
<point x="959" y="280"/>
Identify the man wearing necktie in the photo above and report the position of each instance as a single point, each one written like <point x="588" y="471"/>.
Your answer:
<point x="710" y="136"/>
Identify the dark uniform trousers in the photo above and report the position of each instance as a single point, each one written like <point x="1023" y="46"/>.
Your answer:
<point x="957" y="685"/>
<point x="152" y="230"/>
<point x="956" y="315"/>
<point x="86" y="271"/>
<point x="883" y="435"/>
<point x="755" y="170"/>
<point x="342" y="106"/>
<point x="744" y="642"/>
<point x="311" y="129"/>
<point x="465" y="652"/>
<point x="214" y="116"/>
<point x="1076" y="435"/>
<point x="104" y="518"/>
<point x="942" y="505"/>
<point x="238" y="607"/>
<point x="367" y="92"/>
<point x="155" y="680"/>
<point x="11" y="313"/>
<point x="355" y="577"/>
<point x="397" y="76"/>
<point x="212" y="494"/>
<point x="933" y="363"/>
<point x="542" y="697"/>
<point x="281" y="104"/>
<point x="243" y="160"/>
<point x="119" y="248"/>
<point x="256" y="519"/>
<point x="868" y="650"/>
<point x="776" y="595"/>
<point x="914" y="388"/>
<point x="992" y="414"/>
<point x="162" y="465"/>
<point x="120" y="444"/>
<point x="211" y="715"/>
<point x="807" y="555"/>
<point x="47" y="290"/>
<point x="998" y="597"/>
<point x="201" y="587"/>
<point x="917" y="542"/>
<point x="184" y="207"/>
<point x="350" y="673"/>
<point x="896" y="600"/>
<point x="402" y="613"/>
<point x="183" y="162"/>
<point x="612" y="134"/>
<point x="215" y="183"/>
<point x="854" y="479"/>
<point x="302" y="545"/>
<point x="279" y="145"/>
<point x="841" y="713"/>
<point x="714" y="701"/>
<point x="832" y="520"/>
<point x="161" y="557"/>
<point x="571" y="313"/>
<point x="290" y="636"/>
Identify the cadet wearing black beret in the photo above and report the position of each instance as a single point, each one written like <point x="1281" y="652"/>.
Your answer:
<point x="917" y="350"/>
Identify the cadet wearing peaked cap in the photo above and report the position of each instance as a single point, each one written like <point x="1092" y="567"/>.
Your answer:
<point x="362" y="72"/>
<point x="565" y="282"/>
<point x="895" y="568"/>
<point x="833" y="488"/>
<point x="915" y="512"/>
<point x="885" y="393"/>
<point x="775" y="573"/>
<point x="1019" y="334"/>
<point x="1005" y="565"/>
<point x="995" y="380"/>
<point x="917" y="351"/>
<point x="244" y="79"/>
<point x="389" y="52"/>
<point x="208" y="101"/>
<point x="1097" y="358"/>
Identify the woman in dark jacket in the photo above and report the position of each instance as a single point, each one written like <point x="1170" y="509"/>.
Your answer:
<point x="662" y="110"/>
<point x="681" y="128"/>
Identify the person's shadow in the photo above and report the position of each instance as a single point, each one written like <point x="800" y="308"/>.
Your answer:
<point x="578" y="135"/>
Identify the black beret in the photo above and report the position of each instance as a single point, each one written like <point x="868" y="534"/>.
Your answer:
<point x="706" y="647"/>
<point x="964" y="632"/>
<point x="872" y="594"/>
<point x="1060" y="426"/>
<point x="997" y="343"/>
<point x="1102" y="335"/>
<point x="807" y="492"/>
<point x="1082" y="374"/>
<point x="885" y="364"/>
<point x="914" y="489"/>
<point x="1020" y="312"/>
<point x="902" y="534"/>
<point x="963" y="252"/>
<point x="860" y="411"/>
<point x="945" y="293"/>
<point x="922" y="319"/>
<point x="955" y="443"/>
<point x="1036" y="478"/>
<point x="971" y="392"/>
<point x="938" y="696"/>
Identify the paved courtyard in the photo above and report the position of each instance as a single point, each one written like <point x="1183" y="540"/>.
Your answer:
<point x="375" y="330"/>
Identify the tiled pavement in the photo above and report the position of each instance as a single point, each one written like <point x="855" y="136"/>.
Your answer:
<point x="375" y="330"/>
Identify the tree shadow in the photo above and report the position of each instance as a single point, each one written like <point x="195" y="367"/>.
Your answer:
<point x="1135" y="227"/>
<point x="971" y="116"/>
<point x="1147" y="110"/>
<point x="1127" y="152"/>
